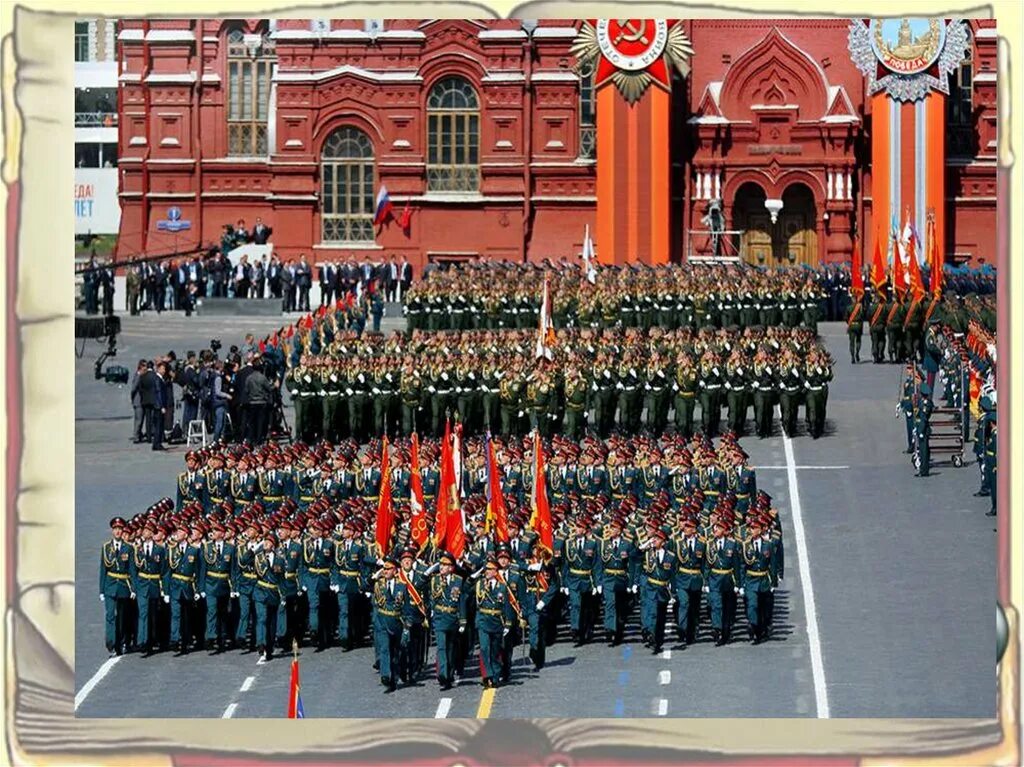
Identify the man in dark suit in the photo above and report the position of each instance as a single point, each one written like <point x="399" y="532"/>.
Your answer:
<point x="406" y="275"/>
<point x="288" y="279"/>
<point x="390" y="279"/>
<point x="180" y="283"/>
<point x="325" y="284"/>
<point x="243" y="278"/>
<point x="274" y="277"/>
<point x="151" y="389"/>
<point x="303" y="281"/>
<point x="240" y="402"/>
<point x="259" y="277"/>
<point x="261" y="233"/>
<point x="160" y="277"/>
<point x="107" y="286"/>
<point x="197" y="275"/>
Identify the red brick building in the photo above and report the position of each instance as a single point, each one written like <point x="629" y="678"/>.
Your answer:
<point x="487" y="131"/>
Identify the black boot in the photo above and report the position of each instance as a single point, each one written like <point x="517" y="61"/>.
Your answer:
<point x="716" y="634"/>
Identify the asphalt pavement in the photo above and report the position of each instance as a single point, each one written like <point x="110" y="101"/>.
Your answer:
<point x="885" y="609"/>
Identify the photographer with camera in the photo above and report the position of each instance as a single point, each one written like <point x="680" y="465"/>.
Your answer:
<point x="188" y="379"/>
<point x="220" y="396"/>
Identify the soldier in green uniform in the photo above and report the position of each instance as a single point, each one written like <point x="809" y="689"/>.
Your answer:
<point x="576" y="386"/>
<point x="689" y="579"/>
<point x="684" y="386"/>
<point x="515" y="587"/>
<point x="818" y="374"/>
<point x="913" y="331"/>
<point x="448" y="617"/>
<point x="894" y="329"/>
<point x="876" y="326"/>
<point x="358" y="392"/>
<point x="411" y="394"/>
<point x="908" y="404"/>
<point x="760" y="577"/>
<point x="658" y="571"/>
<point x="412" y="575"/>
<point x="792" y="304"/>
<point x="490" y="391"/>
<point x="791" y="386"/>
<point x="330" y="383"/>
<point x="657" y="395"/>
<point x="290" y="552"/>
<point x="274" y="484"/>
<point x="736" y="386"/>
<point x="603" y="387"/>
<point x="116" y="586"/>
<point x="245" y="582"/>
<point x="855" y="327"/>
<point x="710" y="382"/>
<point x="923" y="429"/>
<point x="183" y="563"/>
<point x="540" y="585"/>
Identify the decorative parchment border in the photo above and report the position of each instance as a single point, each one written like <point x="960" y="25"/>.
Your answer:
<point x="38" y="481"/>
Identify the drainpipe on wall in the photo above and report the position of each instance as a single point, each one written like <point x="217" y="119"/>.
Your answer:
<point x="197" y="146"/>
<point x="527" y="143"/>
<point x="149" y="134"/>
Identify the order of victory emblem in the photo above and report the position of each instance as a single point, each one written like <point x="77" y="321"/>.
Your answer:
<point x="632" y="53"/>
<point x="909" y="57"/>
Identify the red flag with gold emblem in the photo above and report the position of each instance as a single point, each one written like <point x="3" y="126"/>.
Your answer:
<point x="443" y="498"/>
<point x="385" y="511"/>
<point x="916" y="283"/>
<point x="878" y="268"/>
<point x="418" y="523"/>
<point x="540" y="520"/>
<point x="857" y="270"/>
<point x="455" y="529"/>
<point x="497" y="514"/>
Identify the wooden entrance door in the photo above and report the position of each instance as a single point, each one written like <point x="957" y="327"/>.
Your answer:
<point x="757" y="239"/>
<point x="798" y="239"/>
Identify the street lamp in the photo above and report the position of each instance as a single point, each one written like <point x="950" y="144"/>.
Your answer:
<point x="773" y="206"/>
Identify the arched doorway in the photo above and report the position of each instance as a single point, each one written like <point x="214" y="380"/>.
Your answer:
<point x="791" y="240"/>
<point x="798" y="235"/>
<point x="751" y="217"/>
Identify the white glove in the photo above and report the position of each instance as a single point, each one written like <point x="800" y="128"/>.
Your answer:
<point x="167" y="599"/>
<point x="672" y="601"/>
<point x="633" y="588"/>
<point x="600" y="589"/>
<point x="131" y="595"/>
<point x="565" y="590"/>
<point x="305" y="589"/>
<point x="366" y="594"/>
<point x="202" y="594"/>
<point x="103" y="598"/>
<point x="540" y="605"/>
<point x="736" y="590"/>
<point x="504" y="632"/>
<point x="706" y="589"/>
<point x="593" y="592"/>
<point x="462" y="629"/>
<point x="335" y="588"/>
<point x="535" y="567"/>
<point x="772" y="590"/>
<point x="195" y="597"/>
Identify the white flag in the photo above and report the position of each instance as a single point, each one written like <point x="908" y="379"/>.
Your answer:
<point x="588" y="256"/>
<point x="545" y="331"/>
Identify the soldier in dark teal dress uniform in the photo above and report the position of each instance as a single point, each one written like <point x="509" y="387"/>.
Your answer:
<point x="689" y="579"/>
<point x="317" y="558"/>
<point x="618" y="574"/>
<point x="658" y="573"/>
<point x="116" y="586"/>
<point x="448" y="616"/>
<point x="216" y="585"/>
<point x="760" y="577"/>
<point x="389" y="598"/>
<point x="150" y="564"/>
<point x="184" y="561"/>
<point x="494" y="615"/>
<point x="191" y="482"/>
<point x="269" y="566"/>
<point x="722" y="578"/>
<point x="579" y="582"/>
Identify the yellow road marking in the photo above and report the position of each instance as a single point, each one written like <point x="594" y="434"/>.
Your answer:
<point x="486" y="701"/>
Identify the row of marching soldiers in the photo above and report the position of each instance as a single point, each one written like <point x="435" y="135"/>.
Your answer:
<point x="221" y="578"/>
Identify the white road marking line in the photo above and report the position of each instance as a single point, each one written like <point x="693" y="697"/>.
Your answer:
<point x="443" y="707"/>
<point x="664" y="677"/>
<point x="803" y="565"/>
<point x="666" y="654"/>
<point x="798" y="468"/>
<point x="662" y="707"/>
<point x="229" y="711"/>
<point x="247" y="684"/>
<point x="89" y="686"/>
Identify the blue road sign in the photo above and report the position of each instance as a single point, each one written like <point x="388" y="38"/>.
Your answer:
<point x="173" y="222"/>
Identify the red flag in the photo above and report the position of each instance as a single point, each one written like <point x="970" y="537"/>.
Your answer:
<point x="263" y="346"/>
<point x="899" y="282"/>
<point x="541" y="517"/>
<point x="878" y="268"/>
<point x="405" y="221"/>
<point x="857" y="270"/>
<point x="274" y="340"/>
<point x="443" y="498"/>
<point x="454" y="528"/>
<point x="290" y="332"/>
<point x="916" y="284"/>
<point x="321" y="311"/>
<point x="294" y="698"/>
<point x="418" y="523"/>
<point x="497" y="514"/>
<point x="339" y="304"/>
<point x="385" y="512"/>
<point x="935" y="260"/>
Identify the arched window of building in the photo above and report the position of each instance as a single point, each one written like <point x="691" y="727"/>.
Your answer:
<point x="960" y="109"/>
<point x="588" y="111"/>
<point x="346" y="175"/>
<point x="453" y="137"/>
<point x="250" y="66"/>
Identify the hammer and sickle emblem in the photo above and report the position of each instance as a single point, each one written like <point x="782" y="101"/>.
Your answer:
<point x="631" y="31"/>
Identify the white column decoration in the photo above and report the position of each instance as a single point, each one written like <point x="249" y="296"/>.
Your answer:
<point x="828" y="190"/>
<point x="849" y="186"/>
